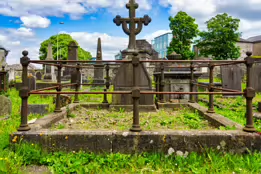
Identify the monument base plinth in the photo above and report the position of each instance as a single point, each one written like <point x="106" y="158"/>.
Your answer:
<point x="49" y="78"/>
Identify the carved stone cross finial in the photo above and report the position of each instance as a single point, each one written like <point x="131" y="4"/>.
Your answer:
<point x="132" y="31"/>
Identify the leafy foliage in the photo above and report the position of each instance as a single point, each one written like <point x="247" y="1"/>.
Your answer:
<point x="184" y="29"/>
<point x="220" y="39"/>
<point x="63" y="42"/>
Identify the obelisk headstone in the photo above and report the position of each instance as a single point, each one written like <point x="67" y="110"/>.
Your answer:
<point x="99" y="66"/>
<point x="123" y="80"/>
<point x="49" y="75"/>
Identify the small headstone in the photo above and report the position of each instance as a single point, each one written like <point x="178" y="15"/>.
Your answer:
<point x="40" y="109"/>
<point x="6" y="106"/>
<point x="231" y="78"/>
<point x="11" y="74"/>
<point x="38" y="75"/>
<point x="256" y="77"/>
<point x="32" y="83"/>
<point x="74" y="79"/>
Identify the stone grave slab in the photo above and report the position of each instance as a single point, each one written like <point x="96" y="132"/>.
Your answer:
<point x="231" y="78"/>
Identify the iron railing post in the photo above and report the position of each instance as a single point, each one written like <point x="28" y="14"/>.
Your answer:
<point x="191" y="96"/>
<point x="24" y="93"/>
<point x="249" y="94"/>
<point x="78" y="74"/>
<point x="107" y="83"/>
<point x="58" y="89"/>
<point x="211" y="89"/>
<point x="135" y="94"/>
<point x="162" y="82"/>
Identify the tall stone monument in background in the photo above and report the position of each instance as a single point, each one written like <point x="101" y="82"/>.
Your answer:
<point x="99" y="66"/>
<point x="49" y="74"/>
<point x="72" y="55"/>
<point x="123" y="80"/>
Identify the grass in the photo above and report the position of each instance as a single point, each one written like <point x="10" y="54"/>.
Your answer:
<point x="83" y="162"/>
<point x="110" y="120"/>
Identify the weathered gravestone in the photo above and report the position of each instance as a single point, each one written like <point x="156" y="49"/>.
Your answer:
<point x="72" y="55"/>
<point x="256" y="77"/>
<point x="123" y="80"/>
<point x="231" y="78"/>
<point x="5" y="106"/>
<point x="11" y="75"/>
<point x="74" y="79"/>
<point x="49" y="74"/>
<point x="98" y="67"/>
<point x="38" y="75"/>
<point x="31" y="83"/>
<point x="40" y="109"/>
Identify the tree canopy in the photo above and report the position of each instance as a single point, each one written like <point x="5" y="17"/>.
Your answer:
<point x="219" y="41"/>
<point x="184" y="29"/>
<point x="63" y="42"/>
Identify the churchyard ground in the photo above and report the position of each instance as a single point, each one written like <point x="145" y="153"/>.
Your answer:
<point x="28" y="157"/>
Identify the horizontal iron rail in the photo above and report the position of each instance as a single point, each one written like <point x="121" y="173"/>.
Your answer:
<point x="80" y="92"/>
<point x="43" y="89"/>
<point x="204" y="93"/>
<point x="79" y="61"/>
<point x="142" y="92"/>
<point x="221" y="89"/>
<point x="189" y="61"/>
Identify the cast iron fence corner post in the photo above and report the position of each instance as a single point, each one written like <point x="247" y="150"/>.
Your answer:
<point x="58" y="89"/>
<point x="107" y="84"/>
<point x="77" y="86"/>
<point x="135" y="94"/>
<point x="211" y="89"/>
<point x="162" y="82"/>
<point x="249" y="94"/>
<point x="24" y="92"/>
<point x="191" y="96"/>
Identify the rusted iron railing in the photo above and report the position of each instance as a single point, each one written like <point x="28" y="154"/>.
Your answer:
<point x="249" y="92"/>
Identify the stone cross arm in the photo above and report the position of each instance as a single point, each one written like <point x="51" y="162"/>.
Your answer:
<point x="118" y="20"/>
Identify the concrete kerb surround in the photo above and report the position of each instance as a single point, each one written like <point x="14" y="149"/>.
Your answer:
<point x="146" y="141"/>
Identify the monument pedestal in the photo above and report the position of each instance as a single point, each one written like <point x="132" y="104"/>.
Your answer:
<point x="123" y="81"/>
<point x="98" y="76"/>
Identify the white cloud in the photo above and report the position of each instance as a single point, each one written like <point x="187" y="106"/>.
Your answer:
<point x="22" y="32"/>
<point x="58" y="8"/>
<point x="111" y="45"/>
<point x="34" y="21"/>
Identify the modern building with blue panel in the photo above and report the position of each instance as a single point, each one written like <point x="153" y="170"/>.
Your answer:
<point x="118" y="56"/>
<point x="161" y="43"/>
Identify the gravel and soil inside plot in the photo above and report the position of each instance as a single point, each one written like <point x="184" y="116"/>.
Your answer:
<point x="97" y="119"/>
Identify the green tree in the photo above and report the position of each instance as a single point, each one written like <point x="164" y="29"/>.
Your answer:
<point x="219" y="41"/>
<point x="63" y="42"/>
<point x="184" y="29"/>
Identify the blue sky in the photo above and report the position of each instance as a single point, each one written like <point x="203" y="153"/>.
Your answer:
<point x="26" y="23"/>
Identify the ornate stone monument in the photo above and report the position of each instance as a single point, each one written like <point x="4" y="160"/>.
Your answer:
<point x="123" y="80"/>
<point x="99" y="66"/>
<point x="49" y="75"/>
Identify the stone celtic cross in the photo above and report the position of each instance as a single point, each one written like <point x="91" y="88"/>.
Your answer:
<point x="132" y="31"/>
